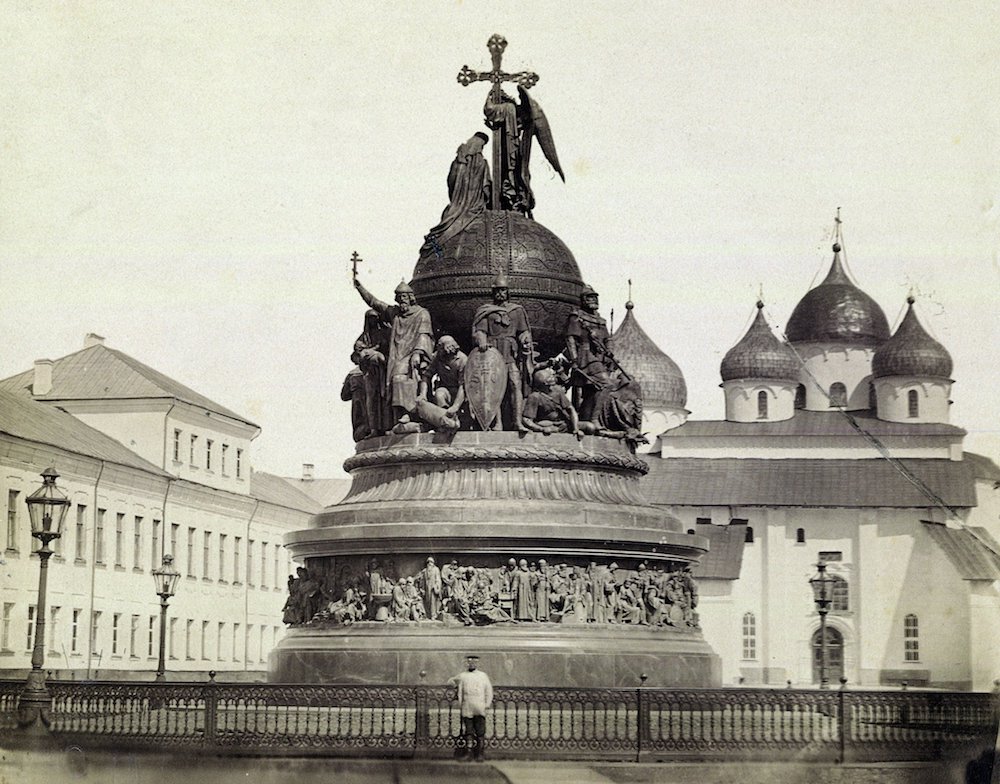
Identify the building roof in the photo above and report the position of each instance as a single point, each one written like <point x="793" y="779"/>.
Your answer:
<point x="661" y="380"/>
<point x="811" y="423"/>
<point x="102" y="373"/>
<point x="760" y="355"/>
<point x="326" y="492"/>
<point x="684" y="481"/>
<point x="972" y="551"/>
<point x="911" y="351"/>
<point x="724" y="559"/>
<point x="273" y="489"/>
<point x="25" y="418"/>
<point x="837" y="311"/>
<point x="983" y="466"/>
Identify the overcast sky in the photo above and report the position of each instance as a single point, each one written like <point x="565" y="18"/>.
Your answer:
<point x="189" y="179"/>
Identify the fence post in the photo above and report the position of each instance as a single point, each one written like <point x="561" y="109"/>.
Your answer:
<point x="642" y="719"/>
<point x="422" y="723"/>
<point x="211" y="709"/>
<point x="843" y="725"/>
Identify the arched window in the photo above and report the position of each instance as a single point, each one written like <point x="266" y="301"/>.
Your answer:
<point x="748" y="536"/>
<point x="839" y="595"/>
<point x="838" y="394"/>
<point x="762" y="405"/>
<point x="690" y="530"/>
<point x="749" y="636"/>
<point x="800" y="396"/>
<point x="913" y="403"/>
<point x="911" y="638"/>
<point x="800" y="536"/>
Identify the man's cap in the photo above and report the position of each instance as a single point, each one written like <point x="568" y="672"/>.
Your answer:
<point x="500" y="282"/>
<point x="587" y="291"/>
<point x="403" y="288"/>
<point x="482" y="136"/>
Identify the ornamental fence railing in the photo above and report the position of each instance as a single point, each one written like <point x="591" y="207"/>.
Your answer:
<point x="539" y="723"/>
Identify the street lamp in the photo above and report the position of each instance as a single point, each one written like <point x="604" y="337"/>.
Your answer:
<point x="821" y="583"/>
<point x="165" y="578"/>
<point x="47" y="508"/>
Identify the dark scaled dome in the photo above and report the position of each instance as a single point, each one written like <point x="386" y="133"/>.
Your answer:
<point x="760" y="355"/>
<point x="453" y="278"/>
<point x="837" y="311"/>
<point x="662" y="382"/>
<point x="911" y="351"/>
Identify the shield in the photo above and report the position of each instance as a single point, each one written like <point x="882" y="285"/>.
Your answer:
<point x="485" y="384"/>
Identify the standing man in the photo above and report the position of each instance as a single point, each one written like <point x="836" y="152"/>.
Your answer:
<point x="475" y="696"/>
<point x="587" y="339"/>
<point x="503" y="325"/>
<point x="430" y="578"/>
<point x="411" y="345"/>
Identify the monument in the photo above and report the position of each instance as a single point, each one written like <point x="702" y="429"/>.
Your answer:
<point x="495" y="504"/>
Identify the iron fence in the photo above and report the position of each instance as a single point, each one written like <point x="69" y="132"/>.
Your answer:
<point x="551" y="723"/>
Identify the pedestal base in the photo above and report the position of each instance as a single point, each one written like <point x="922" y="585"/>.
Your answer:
<point x="583" y="655"/>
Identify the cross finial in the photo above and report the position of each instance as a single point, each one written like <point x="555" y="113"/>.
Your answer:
<point x="630" y="289"/>
<point x="497" y="44"/>
<point x="355" y="261"/>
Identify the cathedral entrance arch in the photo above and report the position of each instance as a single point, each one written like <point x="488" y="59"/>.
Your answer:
<point x="834" y="655"/>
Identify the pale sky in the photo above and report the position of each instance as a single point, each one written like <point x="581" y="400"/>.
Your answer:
<point x="189" y="179"/>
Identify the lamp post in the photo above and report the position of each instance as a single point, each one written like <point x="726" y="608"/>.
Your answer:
<point x="165" y="578"/>
<point x="47" y="508"/>
<point x="820" y="583"/>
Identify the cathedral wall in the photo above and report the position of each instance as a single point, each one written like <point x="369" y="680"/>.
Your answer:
<point x="827" y="363"/>
<point x="742" y="404"/>
<point x="932" y="399"/>
<point x="850" y="447"/>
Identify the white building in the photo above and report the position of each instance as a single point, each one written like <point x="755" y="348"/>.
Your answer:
<point x="151" y="468"/>
<point x="836" y="447"/>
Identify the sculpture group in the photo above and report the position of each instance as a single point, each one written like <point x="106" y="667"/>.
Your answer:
<point x="406" y="382"/>
<point x="517" y="592"/>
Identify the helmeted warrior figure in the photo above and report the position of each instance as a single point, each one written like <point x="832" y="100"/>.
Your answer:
<point x="503" y="325"/>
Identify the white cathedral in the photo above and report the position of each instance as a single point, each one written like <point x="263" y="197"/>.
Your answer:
<point x="835" y="448"/>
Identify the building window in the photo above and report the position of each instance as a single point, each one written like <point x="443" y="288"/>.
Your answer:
<point x="263" y="564"/>
<point x="115" y="619"/>
<point x="249" y="574"/>
<point x="749" y="636"/>
<point x="236" y="558"/>
<point x="30" y="637"/>
<point x="222" y="459"/>
<point x="99" y="536"/>
<point x="154" y="548"/>
<point x="174" y="533"/>
<point x="277" y="568"/>
<point x="913" y="404"/>
<point x="119" y="539"/>
<point x="133" y="636"/>
<point x="800" y="396"/>
<point x="800" y="536"/>
<point x="137" y="544"/>
<point x="748" y="536"/>
<point x="220" y="653"/>
<point x="74" y="640"/>
<point x="81" y="532"/>
<point x="53" y="627"/>
<point x="762" y="405"/>
<point x="261" y="643"/>
<point x="194" y="443"/>
<point x="188" y="631"/>
<point x="204" y="639"/>
<point x="239" y="463"/>
<point x="208" y="454"/>
<point x="8" y="611"/>
<point x="911" y="639"/>
<point x="12" y="519"/>
<point x="236" y="642"/>
<point x="190" y="553"/>
<point x="177" y="446"/>
<point x="838" y="395"/>
<point x="151" y="636"/>
<point x="205" y="554"/>
<point x="222" y="558"/>
<point x="171" y="638"/>
<point x="839" y="595"/>
<point x="703" y="521"/>
<point x="830" y="556"/>
<point x="95" y="622"/>
<point x="690" y="531"/>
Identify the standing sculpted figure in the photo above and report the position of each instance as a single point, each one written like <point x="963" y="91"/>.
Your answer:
<point x="503" y="326"/>
<point x="410" y="347"/>
<point x="430" y="579"/>
<point x="468" y="192"/>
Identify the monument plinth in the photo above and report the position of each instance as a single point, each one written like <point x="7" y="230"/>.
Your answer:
<point x="496" y="505"/>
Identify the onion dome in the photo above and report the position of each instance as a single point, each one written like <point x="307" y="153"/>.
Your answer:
<point x="837" y="311"/>
<point x="452" y="278"/>
<point x="911" y="351"/>
<point x="661" y="380"/>
<point x="760" y="355"/>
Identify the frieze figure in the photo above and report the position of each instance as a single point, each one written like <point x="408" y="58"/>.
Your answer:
<point x="432" y="586"/>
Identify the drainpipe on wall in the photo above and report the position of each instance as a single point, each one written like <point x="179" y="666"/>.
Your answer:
<point x="93" y="575"/>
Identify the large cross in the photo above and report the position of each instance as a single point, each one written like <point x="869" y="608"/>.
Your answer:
<point x="355" y="260"/>
<point x="525" y="79"/>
